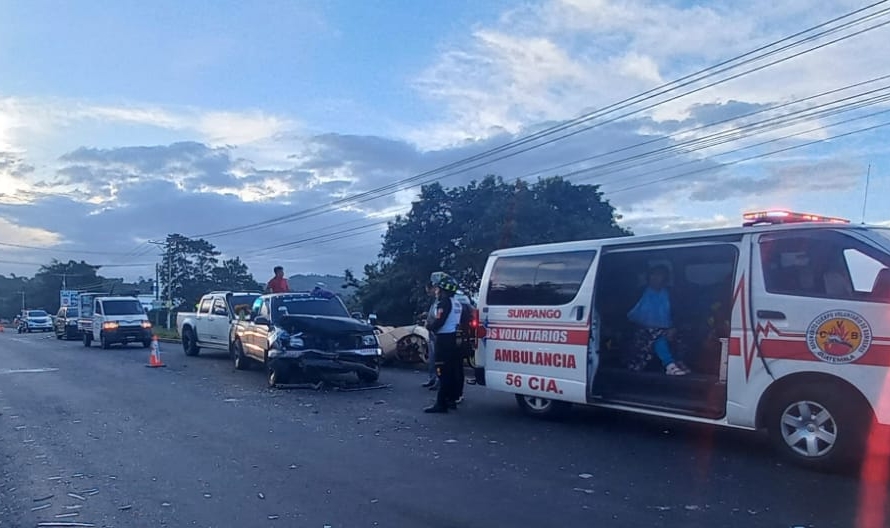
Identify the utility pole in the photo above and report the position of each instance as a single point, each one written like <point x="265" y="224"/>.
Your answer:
<point x="169" y="303"/>
<point x="22" y="293"/>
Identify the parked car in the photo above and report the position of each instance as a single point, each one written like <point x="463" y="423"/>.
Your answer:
<point x="65" y="323"/>
<point x="210" y="325"/>
<point x="37" y="321"/>
<point x="293" y="334"/>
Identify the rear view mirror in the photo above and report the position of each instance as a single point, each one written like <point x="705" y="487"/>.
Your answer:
<point x="372" y="319"/>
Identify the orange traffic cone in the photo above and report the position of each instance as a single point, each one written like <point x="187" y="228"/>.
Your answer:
<point x="154" y="357"/>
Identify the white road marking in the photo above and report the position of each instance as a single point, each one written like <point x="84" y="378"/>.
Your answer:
<point x="28" y="371"/>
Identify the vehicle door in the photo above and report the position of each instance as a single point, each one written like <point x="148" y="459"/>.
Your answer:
<point x="218" y="322"/>
<point x="254" y="335"/>
<point x="59" y="321"/>
<point x="202" y="319"/>
<point x="537" y="325"/>
<point x="818" y="303"/>
<point x="98" y="318"/>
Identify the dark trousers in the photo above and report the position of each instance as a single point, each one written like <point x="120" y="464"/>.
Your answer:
<point x="450" y="369"/>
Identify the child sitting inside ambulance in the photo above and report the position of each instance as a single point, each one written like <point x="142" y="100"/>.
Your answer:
<point x="652" y="314"/>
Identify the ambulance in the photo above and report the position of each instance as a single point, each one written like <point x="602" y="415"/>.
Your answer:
<point x="780" y="324"/>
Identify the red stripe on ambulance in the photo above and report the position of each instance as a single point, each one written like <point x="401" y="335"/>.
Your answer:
<point x="539" y="335"/>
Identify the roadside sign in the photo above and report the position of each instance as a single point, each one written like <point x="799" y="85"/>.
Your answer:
<point x="67" y="297"/>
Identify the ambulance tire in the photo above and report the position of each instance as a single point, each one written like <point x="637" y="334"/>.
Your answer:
<point x="543" y="407"/>
<point x="829" y="420"/>
<point x="87" y="339"/>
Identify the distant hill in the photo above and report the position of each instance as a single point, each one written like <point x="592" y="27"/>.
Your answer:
<point x="307" y="282"/>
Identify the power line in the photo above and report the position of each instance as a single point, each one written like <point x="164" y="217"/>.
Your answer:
<point x="609" y="109"/>
<point x="752" y="129"/>
<point x="751" y="158"/>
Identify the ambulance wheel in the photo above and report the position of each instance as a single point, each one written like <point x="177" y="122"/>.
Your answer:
<point x="104" y="342"/>
<point x="87" y="340"/>
<point x="542" y="407"/>
<point x="819" y="427"/>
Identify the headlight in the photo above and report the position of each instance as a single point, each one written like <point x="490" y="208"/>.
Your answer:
<point x="110" y="325"/>
<point x="369" y="341"/>
<point x="146" y="324"/>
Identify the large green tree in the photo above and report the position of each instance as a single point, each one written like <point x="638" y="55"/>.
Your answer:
<point x="190" y="268"/>
<point x="456" y="229"/>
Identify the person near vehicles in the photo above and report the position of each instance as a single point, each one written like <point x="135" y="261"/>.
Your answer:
<point x="655" y="333"/>
<point x="447" y="354"/>
<point x="278" y="284"/>
<point x="433" y="381"/>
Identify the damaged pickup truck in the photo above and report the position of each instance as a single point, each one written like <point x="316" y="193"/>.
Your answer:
<point x="295" y="335"/>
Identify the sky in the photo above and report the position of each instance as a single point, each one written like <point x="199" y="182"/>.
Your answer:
<point x="121" y="122"/>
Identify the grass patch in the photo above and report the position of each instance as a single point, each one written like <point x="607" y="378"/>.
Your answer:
<point x="166" y="333"/>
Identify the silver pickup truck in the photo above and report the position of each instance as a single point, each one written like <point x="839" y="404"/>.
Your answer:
<point x="209" y="326"/>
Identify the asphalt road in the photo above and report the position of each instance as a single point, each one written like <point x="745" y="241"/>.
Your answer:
<point x="94" y="433"/>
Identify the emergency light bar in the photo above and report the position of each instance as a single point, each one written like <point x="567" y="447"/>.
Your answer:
<point x="774" y="217"/>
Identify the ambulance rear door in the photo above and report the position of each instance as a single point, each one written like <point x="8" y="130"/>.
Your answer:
<point x="536" y="312"/>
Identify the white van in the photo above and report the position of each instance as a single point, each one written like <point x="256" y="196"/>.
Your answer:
<point x="782" y="326"/>
<point x="116" y="320"/>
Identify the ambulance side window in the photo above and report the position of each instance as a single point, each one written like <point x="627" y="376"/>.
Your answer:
<point x="538" y="280"/>
<point x="824" y="264"/>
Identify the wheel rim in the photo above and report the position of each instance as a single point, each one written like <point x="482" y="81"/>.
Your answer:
<point x="536" y="403"/>
<point x="808" y="429"/>
<point x="273" y="378"/>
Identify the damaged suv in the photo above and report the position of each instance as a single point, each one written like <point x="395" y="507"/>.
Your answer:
<point x="306" y="333"/>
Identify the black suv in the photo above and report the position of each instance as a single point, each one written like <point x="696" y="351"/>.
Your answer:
<point x="299" y="333"/>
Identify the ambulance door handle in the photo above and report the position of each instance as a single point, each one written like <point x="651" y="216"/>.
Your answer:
<point x="579" y="316"/>
<point x="769" y="314"/>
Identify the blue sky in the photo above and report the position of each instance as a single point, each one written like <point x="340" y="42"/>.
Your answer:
<point x="141" y="119"/>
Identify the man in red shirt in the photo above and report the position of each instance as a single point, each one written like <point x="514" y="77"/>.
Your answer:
<point x="278" y="284"/>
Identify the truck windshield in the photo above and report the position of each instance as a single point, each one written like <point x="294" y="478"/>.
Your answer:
<point x="122" y="307"/>
<point x="305" y="305"/>
<point x="37" y="313"/>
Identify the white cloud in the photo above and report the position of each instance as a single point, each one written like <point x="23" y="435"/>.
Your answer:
<point x="558" y="58"/>
<point x="13" y="233"/>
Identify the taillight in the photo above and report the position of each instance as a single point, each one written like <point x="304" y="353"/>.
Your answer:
<point x="478" y="329"/>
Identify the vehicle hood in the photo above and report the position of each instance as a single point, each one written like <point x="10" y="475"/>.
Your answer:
<point x="320" y="324"/>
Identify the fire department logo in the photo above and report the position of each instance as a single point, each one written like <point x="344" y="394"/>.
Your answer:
<point x="839" y="336"/>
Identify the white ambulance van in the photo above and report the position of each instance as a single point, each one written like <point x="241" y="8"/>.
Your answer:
<point x="782" y="324"/>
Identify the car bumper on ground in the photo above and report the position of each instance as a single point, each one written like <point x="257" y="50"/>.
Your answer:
<point x="367" y="360"/>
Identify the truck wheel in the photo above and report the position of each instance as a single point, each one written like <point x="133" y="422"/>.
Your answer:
<point x="276" y="376"/>
<point x="189" y="342"/>
<point x="821" y="428"/>
<point x="542" y="407"/>
<point x="241" y="361"/>
<point x="87" y="339"/>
